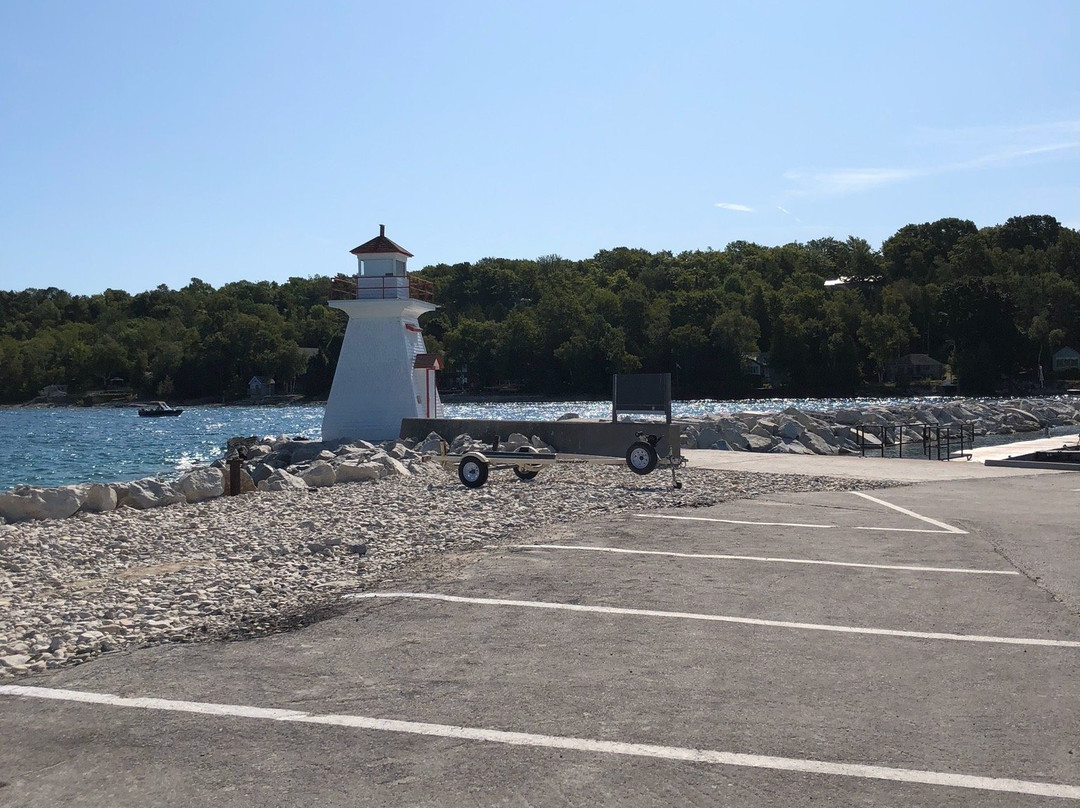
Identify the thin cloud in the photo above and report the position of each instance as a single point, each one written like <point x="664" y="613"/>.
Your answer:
<point x="994" y="138"/>
<point x="733" y="206"/>
<point x="1001" y="146"/>
<point x="850" y="180"/>
<point x="1010" y="155"/>
<point x="782" y="209"/>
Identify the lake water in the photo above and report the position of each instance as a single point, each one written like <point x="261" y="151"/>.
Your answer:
<point x="61" y="446"/>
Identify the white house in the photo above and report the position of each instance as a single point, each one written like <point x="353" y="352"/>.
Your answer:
<point x="260" y="386"/>
<point x="1066" y="359"/>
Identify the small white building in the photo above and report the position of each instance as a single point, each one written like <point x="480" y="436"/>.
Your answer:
<point x="1066" y="359"/>
<point x="260" y="386"/>
<point x="384" y="372"/>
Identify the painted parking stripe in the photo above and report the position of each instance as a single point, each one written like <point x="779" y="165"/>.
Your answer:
<point x="718" y="618"/>
<point x="725" y="521"/>
<point x="786" y="524"/>
<point x="944" y="526"/>
<point x="726" y="557"/>
<point x="569" y="743"/>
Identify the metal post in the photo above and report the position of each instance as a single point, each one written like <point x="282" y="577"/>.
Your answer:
<point x="235" y="464"/>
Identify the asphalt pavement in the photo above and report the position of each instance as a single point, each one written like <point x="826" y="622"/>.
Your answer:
<point x="916" y="646"/>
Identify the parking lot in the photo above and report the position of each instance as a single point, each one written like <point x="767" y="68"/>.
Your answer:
<point x="907" y="646"/>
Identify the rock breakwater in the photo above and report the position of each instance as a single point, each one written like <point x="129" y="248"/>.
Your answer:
<point x="837" y="431"/>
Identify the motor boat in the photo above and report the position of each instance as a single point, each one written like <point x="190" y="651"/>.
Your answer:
<point x="156" y="409"/>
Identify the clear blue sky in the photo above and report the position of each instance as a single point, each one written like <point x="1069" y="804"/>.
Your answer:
<point x="146" y="143"/>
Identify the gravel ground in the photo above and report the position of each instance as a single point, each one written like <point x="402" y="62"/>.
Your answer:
<point x="241" y="566"/>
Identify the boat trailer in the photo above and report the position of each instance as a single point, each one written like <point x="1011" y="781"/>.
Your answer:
<point x="527" y="461"/>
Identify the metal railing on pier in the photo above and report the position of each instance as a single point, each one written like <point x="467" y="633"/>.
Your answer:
<point x="934" y="441"/>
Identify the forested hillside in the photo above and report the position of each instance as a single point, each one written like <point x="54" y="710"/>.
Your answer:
<point x="993" y="302"/>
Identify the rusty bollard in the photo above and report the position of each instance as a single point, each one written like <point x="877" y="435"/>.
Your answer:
<point x="235" y="464"/>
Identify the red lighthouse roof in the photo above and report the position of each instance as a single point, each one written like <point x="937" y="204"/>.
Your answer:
<point x="380" y="244"/>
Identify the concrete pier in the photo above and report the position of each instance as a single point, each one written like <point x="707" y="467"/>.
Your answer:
<point x="576" y="436"/>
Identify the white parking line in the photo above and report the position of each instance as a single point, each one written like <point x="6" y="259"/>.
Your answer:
<point x="943" y="527"/>
<point x="718" y="618"/>
<point x="683" y="754"/>
<point x="946" y="527"/>
<point x="724" y="557"/>
<point x="725" y="521"/>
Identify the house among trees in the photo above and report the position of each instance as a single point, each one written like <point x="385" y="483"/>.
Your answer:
<point x="260" y="386"/>
<point x="55" y="392"/>
<point x="916" y="367"/>
<point x="1066" y="359"/>
<point x="757" y="369"/>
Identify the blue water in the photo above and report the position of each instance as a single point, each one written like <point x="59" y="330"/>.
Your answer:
<point x="62" y="446"/>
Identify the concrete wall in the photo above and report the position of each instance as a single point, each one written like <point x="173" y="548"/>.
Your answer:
<point x="572" y="437"/>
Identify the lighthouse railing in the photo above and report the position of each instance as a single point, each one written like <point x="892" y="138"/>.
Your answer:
<point x="386" y="287"/>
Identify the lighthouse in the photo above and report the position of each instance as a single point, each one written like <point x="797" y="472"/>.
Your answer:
<point x="384" y="372"/>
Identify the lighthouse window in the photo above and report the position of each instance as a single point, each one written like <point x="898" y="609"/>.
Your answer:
<point x="399" y="268"/>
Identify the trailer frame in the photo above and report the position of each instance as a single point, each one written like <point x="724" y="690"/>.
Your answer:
<point x="475" y="465"/>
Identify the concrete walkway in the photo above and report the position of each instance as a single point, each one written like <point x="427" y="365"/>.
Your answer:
<point x="912" y="470"/>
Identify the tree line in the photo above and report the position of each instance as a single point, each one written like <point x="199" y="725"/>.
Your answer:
<point x="992" y="302"/>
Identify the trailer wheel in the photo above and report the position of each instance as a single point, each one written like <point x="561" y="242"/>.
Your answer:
<point x="473" y="473"/>
<point x="527" y="472"/>
<point x="641" y="457"/>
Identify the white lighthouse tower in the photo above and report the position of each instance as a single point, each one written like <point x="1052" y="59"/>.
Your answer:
<point x="384" y="372"/>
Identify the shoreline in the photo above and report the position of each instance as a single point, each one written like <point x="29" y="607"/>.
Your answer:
<point x="296" y="400"/>
<point x="822" y="427"/>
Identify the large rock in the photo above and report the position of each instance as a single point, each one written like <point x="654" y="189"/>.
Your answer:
<point x="514" y="442"/>
<point x="825" y="434"/>
<point x="540" y="446"/>
<point x="99" y="498"/>
<point x="432" y="444"/>
<point x="790" y="430"/>
<point x="394" y="466"/>
<point x="149" y="493"/>
<point x="756" y="443"/>
<point x="303" y="451"/>
<point x="319" y="474"/>
<point x="708" y="438"/>
<point x="282" y="480"/>
<point x="735" y="438"/>
<point x="247" y="485"/>
<point x="30" y="502"/>
<point x="201" y="484"/>
<point x="762" y="432"/>
<point x="260" y="471"/>
<point x="794" y="447"/>
<point x="801" y="418"/>
<point x="816" y="443"/>
<point x="358" y="472"/>
<point x="849" y="417"/>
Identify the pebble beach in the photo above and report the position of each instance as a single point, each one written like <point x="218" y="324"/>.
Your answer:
<point x="234" y="567"/>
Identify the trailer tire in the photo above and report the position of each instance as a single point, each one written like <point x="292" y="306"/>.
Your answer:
<point x="526" y="472"/>
<point x="641" y="457"/>
<point x="472" y="472"/>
